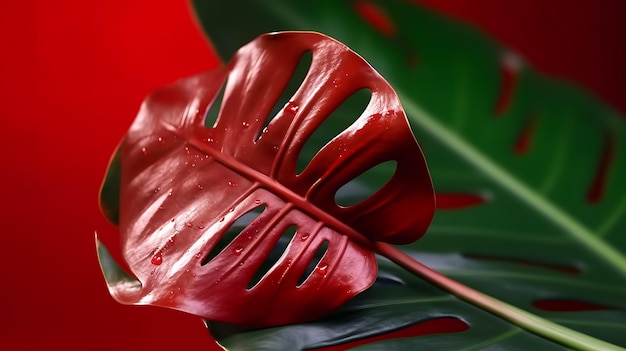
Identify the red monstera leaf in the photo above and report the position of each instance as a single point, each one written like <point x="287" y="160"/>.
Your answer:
<point x="184" y="186"/>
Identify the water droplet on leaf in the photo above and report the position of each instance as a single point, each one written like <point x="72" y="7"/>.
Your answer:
<point x="157" y="259"/>
<point x="292" y="107"/>
<point x="237" y="251"/>
<point x="322" y="268"/>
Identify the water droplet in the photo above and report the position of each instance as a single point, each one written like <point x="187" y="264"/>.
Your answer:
<point x="265" y="130"/>
<point x="232" y="184"/>
<point x="322" y="268"/>
<point x="200" y="226"/>
<point x="157" y="259"/>
<point x="169" y="193"/>
<point x="245" y="124"/>
<point x="193" y="275"/>
<point x="199" y="186"/>
<point x="257" y="201"/>
<point x="209" y="140"/>
<point x="240" y="264"/>
<point x="198" y="255"/>
<point x="161" y="140"/>
<point x="237" y="251"/>
<point x="143" y="149"/>
<point x="291" y="107"/>
<point x="157" y="189"/>
<point x="187" y="149"/>
<point x="276" y="147"/>
<point x="161" y="208"/>
<point x="189" y="224"/>
<point x="304" y="237"/>
<point x="222" y="219"/>
<point x="232" y="209"/>
<point x="193" y="165"/>
<point x="172" y="220"/>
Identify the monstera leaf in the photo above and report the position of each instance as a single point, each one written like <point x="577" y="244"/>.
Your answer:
<point x="183" y="185"/>
<point x="527" y="170"/>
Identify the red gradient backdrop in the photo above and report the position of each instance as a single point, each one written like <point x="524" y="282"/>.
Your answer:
<point x="72" y="76"/>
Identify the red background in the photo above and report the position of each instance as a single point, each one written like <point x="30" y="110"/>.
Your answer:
<point x="72" y="76"/>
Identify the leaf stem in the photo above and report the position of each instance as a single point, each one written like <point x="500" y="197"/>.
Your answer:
<point x="520" y="317"/>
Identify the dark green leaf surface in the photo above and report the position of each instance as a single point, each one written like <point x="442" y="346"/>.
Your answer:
<point x="538" y="235"/>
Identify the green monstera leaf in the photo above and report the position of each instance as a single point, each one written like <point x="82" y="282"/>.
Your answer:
<point x="528" y="171"/>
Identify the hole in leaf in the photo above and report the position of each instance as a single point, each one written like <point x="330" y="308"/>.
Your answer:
<point x="241" y="223"/>
<point x="274" y="255"/>
<point x="524" y="140"/>
<point x="317" y="258"/>
<point x="378" y="19"/>
<point x="509" y="68"/>
<point x="375" y="17"/>
<point x="568" y="305"/>
<point x="441" y="325"/>
<point x="365" y="184"/>
<point x="297" y="77"/>
<point x="554" y="267"/>
<point x="338" y="121"/>
<point x="596" y="190"/>
<point x="455" y="201"/>
<point x="214" y="108"/>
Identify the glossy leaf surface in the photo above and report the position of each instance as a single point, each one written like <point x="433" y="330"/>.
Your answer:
<point x="184" y="186"/>
<point x="528" y="170"/>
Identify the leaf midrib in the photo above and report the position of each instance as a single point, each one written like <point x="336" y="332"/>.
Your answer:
<point x="271" y="184"/>
<point x="508" y="181"/>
